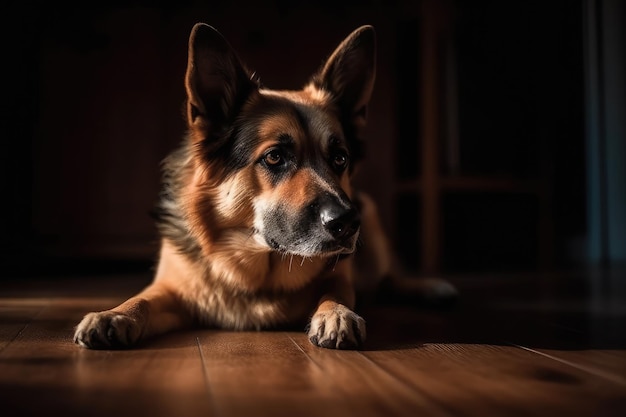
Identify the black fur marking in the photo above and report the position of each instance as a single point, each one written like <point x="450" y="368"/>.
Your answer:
<point x="234" y="151"/>
<point x="168" y="212"/>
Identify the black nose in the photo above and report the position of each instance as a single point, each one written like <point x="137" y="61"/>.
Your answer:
<point x="340" y="220"/>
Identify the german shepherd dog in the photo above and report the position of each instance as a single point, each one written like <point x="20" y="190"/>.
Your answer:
<point x="258" y="217"/>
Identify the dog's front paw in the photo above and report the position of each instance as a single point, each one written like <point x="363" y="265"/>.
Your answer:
<point x="337" y="328"/>
<point x="107" y="329"/>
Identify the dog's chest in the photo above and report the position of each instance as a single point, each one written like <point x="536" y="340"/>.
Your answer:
<point x="226" y="292"/>
<point x="216" y="305"/>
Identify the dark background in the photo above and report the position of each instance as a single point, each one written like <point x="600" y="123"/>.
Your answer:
<point x="93" y="97"/>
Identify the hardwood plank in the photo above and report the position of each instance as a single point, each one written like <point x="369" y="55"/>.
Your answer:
<point x="252" y="373"/>
<point x="468" y="379"/>
<point x="608" y="364"/>
<point x="593" y="349"/>
<point x="463" y="361"/>
<point x="569" y="331"/>
<point x="279" y="374"/>
<point x="15" y="315"/>
<point x="366" y="384"/>
<point x="43" y="371"/>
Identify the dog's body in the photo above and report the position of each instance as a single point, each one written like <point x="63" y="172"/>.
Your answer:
<point x="258" y="217"/>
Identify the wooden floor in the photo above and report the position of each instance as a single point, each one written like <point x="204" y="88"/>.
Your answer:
<point x="514" y="345"/>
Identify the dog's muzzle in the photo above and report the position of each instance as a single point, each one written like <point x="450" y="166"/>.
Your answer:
<point x="328" y="225"/>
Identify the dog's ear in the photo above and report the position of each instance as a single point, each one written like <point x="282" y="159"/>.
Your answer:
<point x="349" y="74"/>
<point x="216" y="81"/>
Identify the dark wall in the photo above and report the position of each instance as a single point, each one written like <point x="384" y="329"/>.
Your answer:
<point x="94" y="102"/>
<point x="521" y="115"/>
<point x="93" y="99"/>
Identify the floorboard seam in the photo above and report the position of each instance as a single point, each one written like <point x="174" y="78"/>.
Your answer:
<point x="408" y="385"/>
<point x="587" y="369"/>
<point x="207" y="385"/>
<point x="305" y="354"/>
<point x="23" y="329"/>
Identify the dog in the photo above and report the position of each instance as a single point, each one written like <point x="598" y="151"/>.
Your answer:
<point x="258" y="217"/>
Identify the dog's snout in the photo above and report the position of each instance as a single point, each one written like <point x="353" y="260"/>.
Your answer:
<point x="341" y="221"/>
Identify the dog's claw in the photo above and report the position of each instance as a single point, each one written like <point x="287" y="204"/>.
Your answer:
<point x="338" y="328"/>
<point x="106" y="330"/>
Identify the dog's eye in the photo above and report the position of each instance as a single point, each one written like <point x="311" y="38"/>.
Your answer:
<point x="339" y="160"/>
<point x="273" y="158"/>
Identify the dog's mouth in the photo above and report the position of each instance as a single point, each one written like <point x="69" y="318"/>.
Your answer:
<point x="316" y="248"/>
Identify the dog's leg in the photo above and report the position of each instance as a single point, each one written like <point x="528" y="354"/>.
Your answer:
<point x="334" y="325"/>
<point x="153" y="311"/>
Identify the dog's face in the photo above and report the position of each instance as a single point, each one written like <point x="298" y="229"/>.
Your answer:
<point x="275" y="166"/>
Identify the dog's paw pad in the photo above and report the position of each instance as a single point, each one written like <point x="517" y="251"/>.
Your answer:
<point x="339" y="328"/>
<point x="107" y="329"/>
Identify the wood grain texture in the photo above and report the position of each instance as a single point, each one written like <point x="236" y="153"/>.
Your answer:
<point x="42" y="369"/>
<point x="499" y="380"/>
<point x="495" y="355"/>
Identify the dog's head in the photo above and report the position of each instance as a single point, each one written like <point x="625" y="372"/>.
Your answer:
<point x="276" y="165"/>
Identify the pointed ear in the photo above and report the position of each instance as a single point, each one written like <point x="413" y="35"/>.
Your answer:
<point x="216" y="81"/>
<point x="349" y="74"/>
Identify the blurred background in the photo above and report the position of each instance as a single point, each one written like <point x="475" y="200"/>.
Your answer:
<point x="497" y="137"/>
